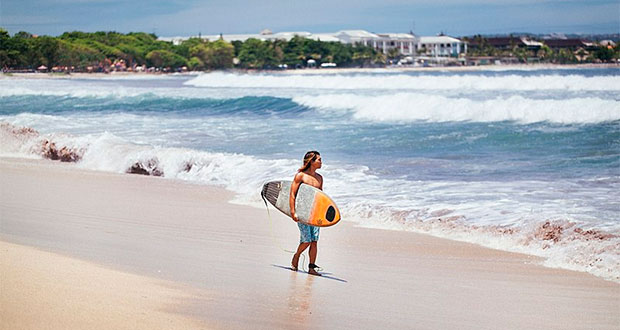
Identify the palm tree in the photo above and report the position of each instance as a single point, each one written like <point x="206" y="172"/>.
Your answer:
<point x="393" y="54"/>
<point x="544" y="52"/>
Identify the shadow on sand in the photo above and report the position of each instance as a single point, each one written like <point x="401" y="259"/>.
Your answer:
<point x="323" y="274"/>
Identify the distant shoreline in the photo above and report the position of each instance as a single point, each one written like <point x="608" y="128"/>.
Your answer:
<point x="60" y="75"/>
<point x="455" y="68"/>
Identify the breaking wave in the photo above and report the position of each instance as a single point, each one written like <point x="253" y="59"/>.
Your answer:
<point x="398" y="107"/>
<point x="409" y="107"/>
<point x="560" y="242"/>
<point x="408" y="82"/>
<point x="501" y="216"/>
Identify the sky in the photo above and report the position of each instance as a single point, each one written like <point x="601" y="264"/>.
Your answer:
<point x="192" y="17"/>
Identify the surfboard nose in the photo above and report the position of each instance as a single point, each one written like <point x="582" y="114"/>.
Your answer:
<point x="325" y="212"/>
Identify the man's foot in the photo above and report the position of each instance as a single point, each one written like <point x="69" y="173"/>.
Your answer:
<point x="311" y="271"/>
<point x="315" y="267"/>
<point x="295" y="262"/>
<point x="314" y="270"/>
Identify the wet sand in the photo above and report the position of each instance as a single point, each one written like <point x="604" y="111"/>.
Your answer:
<point x="225" y="264"/>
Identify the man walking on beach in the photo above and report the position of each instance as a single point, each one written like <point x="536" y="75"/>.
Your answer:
<point x="309" y="235"/>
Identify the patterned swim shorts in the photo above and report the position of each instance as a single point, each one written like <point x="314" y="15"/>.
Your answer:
<point x="307" y="233"/>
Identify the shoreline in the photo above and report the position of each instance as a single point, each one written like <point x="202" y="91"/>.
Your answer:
<point x="501" y="67"/>
<point x="193" y="236"/>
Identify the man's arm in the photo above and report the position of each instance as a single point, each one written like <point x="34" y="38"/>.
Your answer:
<point x="294" y="187"/>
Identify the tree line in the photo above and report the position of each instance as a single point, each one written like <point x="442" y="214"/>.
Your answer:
<point x="105" y="51"/>
<point x="101" y="51"/>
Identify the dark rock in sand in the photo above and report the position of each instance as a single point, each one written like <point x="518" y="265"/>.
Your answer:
<point x="150" y="168"/>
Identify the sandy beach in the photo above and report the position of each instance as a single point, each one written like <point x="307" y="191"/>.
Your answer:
<point x="83" y="249"/>
<point x="321" y="71"/>
<point x="42" y="290"/>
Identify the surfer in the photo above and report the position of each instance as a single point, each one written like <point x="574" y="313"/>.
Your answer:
<point x="309" y="235"/>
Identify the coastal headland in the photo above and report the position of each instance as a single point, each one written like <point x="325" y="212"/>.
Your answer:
<point x="86" y="249"/>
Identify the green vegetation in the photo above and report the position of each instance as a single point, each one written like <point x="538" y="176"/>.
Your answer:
<point x="136" y="51"/>
<point x="106" y="51"/>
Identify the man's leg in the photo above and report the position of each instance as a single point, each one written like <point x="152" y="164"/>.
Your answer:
<point x="301" y="248"/>
<point x="313" y="251"/>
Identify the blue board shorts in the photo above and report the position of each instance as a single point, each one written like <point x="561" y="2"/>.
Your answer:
<point x="308" y="233"/>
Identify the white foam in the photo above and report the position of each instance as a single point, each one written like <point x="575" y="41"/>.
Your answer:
<point x="387" y="100"/>
<point x="409" y="107"/>
<point x="62" y="88"/>
<point x="94" y="88"/>
<point x="408" y="82"/>
<point x="502" y="215"/>
<point x="575" y="247"/>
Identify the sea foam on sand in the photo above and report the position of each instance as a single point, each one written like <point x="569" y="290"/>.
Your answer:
<point x="189" y="234"/>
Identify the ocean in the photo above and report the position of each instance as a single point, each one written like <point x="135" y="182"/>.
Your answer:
<point x="522" y="160"/>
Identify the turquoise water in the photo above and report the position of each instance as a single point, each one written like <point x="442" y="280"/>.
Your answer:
<point x="490" y="157"/>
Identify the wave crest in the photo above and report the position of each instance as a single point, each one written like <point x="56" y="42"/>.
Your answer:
<point x="410" y="107"/>
<point x="444" y="209"/>
<point x="407" y="82"/>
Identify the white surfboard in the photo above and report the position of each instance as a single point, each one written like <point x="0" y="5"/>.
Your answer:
<point x="312" y="206"/>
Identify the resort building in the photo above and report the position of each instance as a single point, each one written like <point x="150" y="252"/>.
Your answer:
<point x="570" y="44"/>
<point x="263" y="36"/>
<point x="384" y="42"/>
<point x="441" y="46"/>
<point x="509" y="42"/>
<point x="404" y="42"/>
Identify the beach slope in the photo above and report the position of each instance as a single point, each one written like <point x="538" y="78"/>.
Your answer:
<point x="107" y="243"/>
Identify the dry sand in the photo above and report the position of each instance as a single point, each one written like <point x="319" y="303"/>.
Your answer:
<point x="189" y="235"/>
<point x="42" y="290"/>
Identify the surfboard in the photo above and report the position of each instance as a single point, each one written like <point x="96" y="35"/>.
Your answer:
<point x="313" y="207"/>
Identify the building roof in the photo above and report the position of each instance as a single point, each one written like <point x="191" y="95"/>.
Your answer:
<point x="174" y="40"/>
<point x="568" y="43"/>
<point x="504" y="42"/>
<point x="273" y="36"/>
<point x="531" y="43"/>
<point x="438" y="40"/>
<point x="288" y="35"/>
<point x="327" y="37"/>
<point x="357" y="34"/>
<point x="399" y="36"/>
<point x="607" y="43"/>
<point x="340" y="36"/>
<point x="235" y="37"/>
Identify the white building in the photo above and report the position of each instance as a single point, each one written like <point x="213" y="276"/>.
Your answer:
<point x="326" y="37"/>
<point x="357" y="37"/>
<point x="263" y="36"/>
<point x="441" y="46"/>
<point x="404" y="42"/>
<point x="383" y="42"/>
<point x="407" y="44"/>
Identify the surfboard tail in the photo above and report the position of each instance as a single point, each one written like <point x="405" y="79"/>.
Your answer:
<point x="270" y="192"/>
